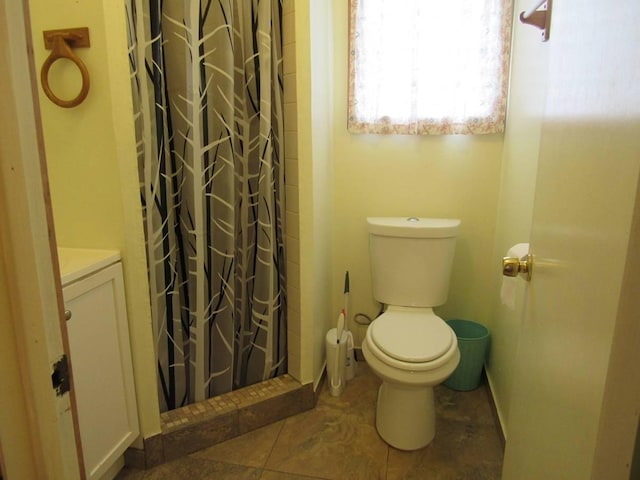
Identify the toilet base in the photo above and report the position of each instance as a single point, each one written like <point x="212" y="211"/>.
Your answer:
<point x="405" y="416"/>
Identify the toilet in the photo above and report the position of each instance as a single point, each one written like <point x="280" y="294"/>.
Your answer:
<point x="408" y="346"/>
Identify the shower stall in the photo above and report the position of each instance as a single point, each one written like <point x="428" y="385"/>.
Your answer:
<point x="208" y="103"/>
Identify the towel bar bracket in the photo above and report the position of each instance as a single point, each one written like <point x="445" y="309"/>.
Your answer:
<point x="539" y="18"/>
<point x="75" y="37"/>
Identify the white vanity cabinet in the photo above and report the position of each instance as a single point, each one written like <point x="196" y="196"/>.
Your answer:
<point x="97" y="327"/>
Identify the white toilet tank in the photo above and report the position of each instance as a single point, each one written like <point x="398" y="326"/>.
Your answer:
<point x="411" y="259"/>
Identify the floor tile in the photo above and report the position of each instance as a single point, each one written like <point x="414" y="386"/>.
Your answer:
<point x="466" y="445"/>
<point x="189" y="468"/>
<point x="128" y="473"/>
<point x="460" y="450"/>
<point x="270" y="475"/>
<point x="250" y="449"/>
<point x="470" y="406"/>
<point x="329" y="444"/>
<point x="337" y="439"/>
<point x="359" y="396"/>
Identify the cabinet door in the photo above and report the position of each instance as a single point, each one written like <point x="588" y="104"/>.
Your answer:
<point x="102" y="371"/>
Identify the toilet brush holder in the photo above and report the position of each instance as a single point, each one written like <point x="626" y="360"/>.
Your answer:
<point x="336" y="361"/>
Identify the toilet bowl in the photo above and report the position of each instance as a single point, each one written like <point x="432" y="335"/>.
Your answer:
<point x="411" y="350"/>
<point x="409" y="347"/>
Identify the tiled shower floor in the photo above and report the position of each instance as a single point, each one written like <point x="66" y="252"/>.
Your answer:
<point x="338" y="440"/>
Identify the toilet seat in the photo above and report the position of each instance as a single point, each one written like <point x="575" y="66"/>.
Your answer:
<point x="411" y="340"/>
<point x="429" y="337"/>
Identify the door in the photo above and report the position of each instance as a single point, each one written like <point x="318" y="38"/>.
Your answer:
<point x="575" y="396"/>
<point x="36" y="404"/>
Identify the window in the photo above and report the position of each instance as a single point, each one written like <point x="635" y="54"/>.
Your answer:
<point x="429" y="66"/>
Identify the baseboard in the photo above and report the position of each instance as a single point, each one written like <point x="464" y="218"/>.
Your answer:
<point x="494" y="409"/>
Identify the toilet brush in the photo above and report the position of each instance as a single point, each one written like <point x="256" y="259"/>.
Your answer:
<point x="336" y="379"/>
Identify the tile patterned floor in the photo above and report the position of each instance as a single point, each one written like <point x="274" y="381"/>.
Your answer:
<point x="338" y="440"/>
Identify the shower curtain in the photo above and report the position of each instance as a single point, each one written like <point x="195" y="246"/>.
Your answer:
<point x="207" y="86"/>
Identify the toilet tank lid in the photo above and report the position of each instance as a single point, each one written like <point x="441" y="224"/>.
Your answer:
<point x="413" y="227"/>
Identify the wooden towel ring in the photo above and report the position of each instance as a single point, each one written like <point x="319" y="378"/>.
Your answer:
<point x="60" y="43"/>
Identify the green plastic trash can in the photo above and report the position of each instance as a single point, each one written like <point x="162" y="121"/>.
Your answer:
<point x="473" y="342"/>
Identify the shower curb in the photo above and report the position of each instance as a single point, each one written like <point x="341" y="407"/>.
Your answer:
<point x="204" y="424"/>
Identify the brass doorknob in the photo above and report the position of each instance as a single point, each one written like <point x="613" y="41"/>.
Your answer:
<point x="512" y="266"/>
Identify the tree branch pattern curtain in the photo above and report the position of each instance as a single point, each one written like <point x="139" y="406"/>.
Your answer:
<point x="207" y="85"/>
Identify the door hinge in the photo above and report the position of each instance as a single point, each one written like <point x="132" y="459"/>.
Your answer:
<point x="60" y="376"/>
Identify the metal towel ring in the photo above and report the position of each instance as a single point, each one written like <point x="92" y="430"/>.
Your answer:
<point x="60" y="42"/>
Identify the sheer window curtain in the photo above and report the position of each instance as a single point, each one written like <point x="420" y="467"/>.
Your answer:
<point x="429" y="66"/>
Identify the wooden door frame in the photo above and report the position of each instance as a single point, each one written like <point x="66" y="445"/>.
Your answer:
<point x="30" y="271"/>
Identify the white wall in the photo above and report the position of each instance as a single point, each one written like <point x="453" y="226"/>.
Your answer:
<point x="315" y="180"/>
<point x="437" y="176"/>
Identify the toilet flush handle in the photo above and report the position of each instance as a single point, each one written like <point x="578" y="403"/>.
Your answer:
<point x="512" y="266"/>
